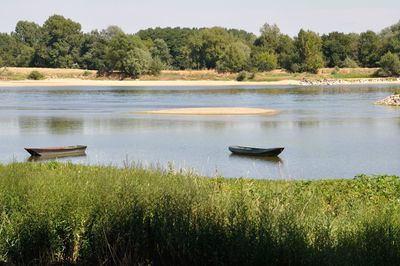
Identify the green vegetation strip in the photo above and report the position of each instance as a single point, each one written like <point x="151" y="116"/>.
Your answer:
<point x="60" y="43"/>
<point x="91" y="215"/>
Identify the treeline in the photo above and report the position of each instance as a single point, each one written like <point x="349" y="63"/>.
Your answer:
<point x="60" y="43"/>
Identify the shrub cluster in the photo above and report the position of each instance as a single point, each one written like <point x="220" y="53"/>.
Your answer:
<point x="390" y="65"/>
<point x="35" y="75"/>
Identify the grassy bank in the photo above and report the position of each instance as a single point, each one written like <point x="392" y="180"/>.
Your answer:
<point x="65" y="213"/>
<point x="189" y="75"/>
<point x="22" y="73"/>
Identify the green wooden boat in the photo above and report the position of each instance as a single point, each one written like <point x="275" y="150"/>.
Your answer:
<point x="57" y="151"/>
<point x="255" y="151"/>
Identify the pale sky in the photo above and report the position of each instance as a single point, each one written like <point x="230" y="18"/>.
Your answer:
<point x="318" y="15"/>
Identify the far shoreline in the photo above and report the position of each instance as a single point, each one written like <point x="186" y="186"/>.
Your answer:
<point x="137" y="83"/>
<point x="76" y="82"/>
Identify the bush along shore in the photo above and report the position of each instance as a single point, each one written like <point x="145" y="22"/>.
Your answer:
<point x="53" y="213"/>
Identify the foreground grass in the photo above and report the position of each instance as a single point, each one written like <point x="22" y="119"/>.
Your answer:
<point x="90" y="215"/>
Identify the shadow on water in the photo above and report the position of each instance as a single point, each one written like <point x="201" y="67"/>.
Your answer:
<point x="307" y="124"/>
<point x="274" y="160"/>
<point x="54" y="125"/>
<point x="272" y="89"/>
<point x="54" y="157"/>
<point x="62" y="125"/>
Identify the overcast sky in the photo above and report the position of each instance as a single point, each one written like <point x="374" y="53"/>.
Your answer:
<point x="290" y="15"/>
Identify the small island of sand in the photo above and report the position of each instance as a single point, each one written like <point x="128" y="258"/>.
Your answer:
<point x="214" y="111"/>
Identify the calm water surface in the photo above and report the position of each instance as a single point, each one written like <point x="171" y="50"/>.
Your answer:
<point x="328" y="132"/>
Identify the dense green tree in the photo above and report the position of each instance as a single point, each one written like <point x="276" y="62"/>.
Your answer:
<point x="337" y="47"/>
<point x="160" y="50"/>
<point x="156" y="66"/>
<point x="269" y="39"/>
<point x="7" y="49"/>
<point x="390" y="38"/>
<point x="95" y="45"/>
<point x="14" y="53"/>
<point x="33" y="36"/>
<point x="390" y="31"/>
<point x="116" y="51"/>
<point x="392" y="43"/>
<point x="183" y="59"/>
<point x="353" y="43"/>
<point x="208" y="46"/>
<point x="273" y="42"/>
<point x="111" y="32"/>
<point x="390" y="64"/>
<point x="93" y="49"/>
<point x="136" y="62"/>
<point x="286" y="51"/>
<point x="235" y="57"/>
<point x="265" y="61"/>
<point x="63" y="40"/>
<point x="246" y="37"/>
<point x="309" y="46"/>
<point x="29" y="33"/>
<point x="127" y="54"/>
<point x="177" y="39"/>
<point x="369" y="49"/>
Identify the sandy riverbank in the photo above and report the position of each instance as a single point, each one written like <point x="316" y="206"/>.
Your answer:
<point x="17" y="77"/>
<point x="134" y="83"/>
<point x="144" y="83"/>
<point x="214" y="111"/>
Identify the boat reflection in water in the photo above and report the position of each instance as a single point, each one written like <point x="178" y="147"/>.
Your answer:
<point x="264" y="167"/>
<point x="267" y="159"/>
<point x="53" y="157"/>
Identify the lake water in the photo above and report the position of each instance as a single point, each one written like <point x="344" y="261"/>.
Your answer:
<point x="327" y="132"/>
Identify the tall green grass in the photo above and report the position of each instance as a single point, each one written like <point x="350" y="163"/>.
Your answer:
<point x="352" y="75"/>
<point x="55" y="213"/>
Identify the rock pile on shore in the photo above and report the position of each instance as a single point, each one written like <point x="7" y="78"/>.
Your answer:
<point x="322" y="82"/>
<point x="393" y="100"/>
<point x="333" y="82"/>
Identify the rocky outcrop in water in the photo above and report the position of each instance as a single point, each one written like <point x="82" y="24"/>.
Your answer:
<point x="393" y="100"/>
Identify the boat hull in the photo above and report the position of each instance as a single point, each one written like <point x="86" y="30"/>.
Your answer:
<point x="57" y="151"/>
<point x="240" y="150"/>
